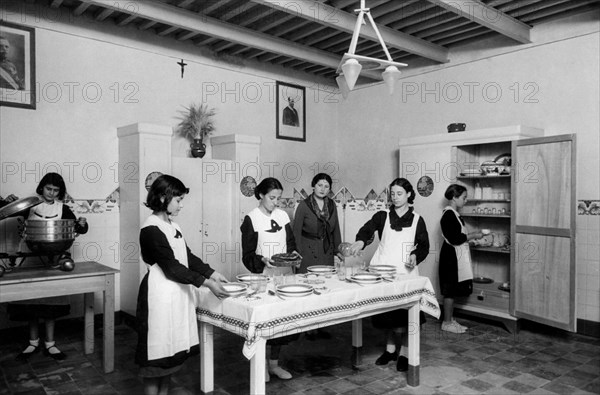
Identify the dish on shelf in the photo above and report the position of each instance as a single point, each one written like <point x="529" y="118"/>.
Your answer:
<point x="471" y="172"/>
<point x="482" y="280"/>
<point x="504" y="287"/>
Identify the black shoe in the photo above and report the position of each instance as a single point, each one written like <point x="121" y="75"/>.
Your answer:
<point x="58" y="356"/>
<point x="402" y="364"/>
<point x="386" y="357"/>
<point x="24" y="356"/>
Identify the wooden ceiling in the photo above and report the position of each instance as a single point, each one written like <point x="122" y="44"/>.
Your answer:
<point x="312" y="36"/>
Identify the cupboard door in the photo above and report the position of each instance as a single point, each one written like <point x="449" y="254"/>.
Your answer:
<point x="543" y="231"/>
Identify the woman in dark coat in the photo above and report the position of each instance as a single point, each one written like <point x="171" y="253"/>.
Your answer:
<point x="316" y="226"/>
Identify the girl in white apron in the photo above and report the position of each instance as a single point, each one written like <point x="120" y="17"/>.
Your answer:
<point x="455" y="271"/>
<point x="166" y="309"/>
<point x="267" y="231"/>
<point x="404" y="243"/>
<point x="52" y="190"/>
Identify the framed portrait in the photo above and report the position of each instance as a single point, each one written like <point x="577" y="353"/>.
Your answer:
<point x="290" y="111"/>
<point x="17" y="65"/>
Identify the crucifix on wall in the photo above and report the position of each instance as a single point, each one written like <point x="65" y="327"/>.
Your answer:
<point x="182" y="64"/>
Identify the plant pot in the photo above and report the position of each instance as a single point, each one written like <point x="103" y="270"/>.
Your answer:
<point x="198" y="148"/>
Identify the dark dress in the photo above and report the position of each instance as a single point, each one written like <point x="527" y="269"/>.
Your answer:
<point x="172" y="280"/>
<point x="396" y="318"/>
<point x="317" y="235"/>
<point x="448" y="269"/>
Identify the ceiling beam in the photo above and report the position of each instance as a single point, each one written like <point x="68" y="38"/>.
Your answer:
<point x="193" y="22"/>
<point x="341" y="20"/>
<point x="489" y="17"/>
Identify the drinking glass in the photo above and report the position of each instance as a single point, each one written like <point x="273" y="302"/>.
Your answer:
<point x="340" y="267"/>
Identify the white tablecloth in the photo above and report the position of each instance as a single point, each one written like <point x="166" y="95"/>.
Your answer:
<point x="271" y="317"/>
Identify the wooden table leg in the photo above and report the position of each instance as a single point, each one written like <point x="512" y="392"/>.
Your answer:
<point x="414" y="336"/>
<point x="257" y="368"/>
<point x="207" y="374"/>
<point x="88" y="335"/>
<point x="109" y="323"/>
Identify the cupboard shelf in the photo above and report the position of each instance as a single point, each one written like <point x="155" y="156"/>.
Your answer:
<point x="499" y="250"/>
<point x="485" y="215"/>
<point x="475" y="201"/>
<point x="482" y="177"/>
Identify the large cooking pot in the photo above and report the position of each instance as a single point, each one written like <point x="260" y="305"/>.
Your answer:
<point x="49" y="237"/>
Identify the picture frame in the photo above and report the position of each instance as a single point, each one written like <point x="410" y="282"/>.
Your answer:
<point x="290" y="111"/>
<point x="17" y="68"/>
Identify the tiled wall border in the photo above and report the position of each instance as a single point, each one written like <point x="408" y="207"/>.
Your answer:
<point x="373" y="201"/>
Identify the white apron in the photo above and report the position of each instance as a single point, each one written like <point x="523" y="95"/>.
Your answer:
<point x="172" y="325"/>
<point x="272" y="236"/>
<point x="463" y="254"/>
<point x="395" y="247"/>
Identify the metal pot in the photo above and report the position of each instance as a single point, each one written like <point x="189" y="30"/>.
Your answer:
<point x="49" y="237"/>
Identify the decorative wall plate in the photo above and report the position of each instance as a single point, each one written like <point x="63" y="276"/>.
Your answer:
<point x="150" y="178"/>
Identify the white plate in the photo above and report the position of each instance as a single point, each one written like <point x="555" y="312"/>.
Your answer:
<point x="246" y="278"/>
<point x="321" y="269"/>
<point x="294" y="288"/>
<point x="293" y="295"/>
<point x="383" y="269"/>
<point x="366" y="278"/>
<point x="235" y="288"/>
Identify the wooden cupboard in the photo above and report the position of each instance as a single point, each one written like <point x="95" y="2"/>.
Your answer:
<point x="526" y="266"/>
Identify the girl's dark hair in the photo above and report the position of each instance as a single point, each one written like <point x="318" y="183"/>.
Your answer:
<point x="266" y="186"/>
<point x="52" y="179"/>
<point x="319" y="177"/>
<point x="404" y="183"/>
<point x="454" y="190"/>
<point x="166" y="187"/>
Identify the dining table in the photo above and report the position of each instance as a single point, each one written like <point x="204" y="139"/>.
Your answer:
<point x="267" y="315"/>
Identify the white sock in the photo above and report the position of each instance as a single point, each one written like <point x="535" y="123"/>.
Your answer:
<point x="53" y="350"/>
<point x="278" y="371"/>
<point x="33" y="344"/>
<point x="391" y="348"/>
<point x="403" y="352"/>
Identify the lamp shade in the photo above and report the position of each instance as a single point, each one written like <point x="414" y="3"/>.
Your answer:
<point x="390" y="76"/>
<point x="343" y="86"/>
<point x="351" y="69"/>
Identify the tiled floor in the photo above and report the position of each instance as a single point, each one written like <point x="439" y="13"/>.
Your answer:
<point x="487" y="360"/>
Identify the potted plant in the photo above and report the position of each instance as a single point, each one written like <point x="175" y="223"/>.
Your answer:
<point x="196" y="123"/>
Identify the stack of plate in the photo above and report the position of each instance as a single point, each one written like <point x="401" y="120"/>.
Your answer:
<point x="386" y="271"/>
<point x="294" y="290"/>
<point x="235" y="289"/>
<point x="471" y="172"/>
<point x="321" y="269"/>
<point x="366" y="278"/>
